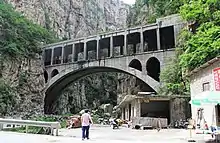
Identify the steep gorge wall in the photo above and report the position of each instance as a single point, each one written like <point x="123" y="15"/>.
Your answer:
<point x="71" y="19"/>
<point x="75" y="18"/>
<point x="26" y="81"/>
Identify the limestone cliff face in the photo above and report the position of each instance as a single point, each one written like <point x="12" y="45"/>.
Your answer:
<point x="26" y="78"/>
<point x="71" y="19"/>
<point x="75" y="18"/>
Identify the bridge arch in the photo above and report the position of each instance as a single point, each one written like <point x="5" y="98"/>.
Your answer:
<point x="54" y="73"/>
<point x="67" y="76"/>
<point x="136" y="64"/>
<point x="153" y="68"/>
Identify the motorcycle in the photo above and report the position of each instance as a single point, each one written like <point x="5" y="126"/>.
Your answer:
<point x="115" y="124"/>
<point x="181" y="124"/>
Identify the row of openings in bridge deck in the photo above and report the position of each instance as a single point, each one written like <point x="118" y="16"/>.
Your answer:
<point x="152" y="68"/>
<point x="100" y="49"/>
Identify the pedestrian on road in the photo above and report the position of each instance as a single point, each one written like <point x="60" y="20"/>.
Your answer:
<point x="86" y="120"/>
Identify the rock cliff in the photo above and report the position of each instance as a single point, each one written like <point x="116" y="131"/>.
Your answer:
<point x="75" y="18"/>
<point x="71" y="19"/>
<point x="26" y="81"/>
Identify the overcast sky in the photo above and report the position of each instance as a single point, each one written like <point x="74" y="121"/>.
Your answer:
<point x="129" y="1"/>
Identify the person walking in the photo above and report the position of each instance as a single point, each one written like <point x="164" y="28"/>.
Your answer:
<point x="86" y="120"/>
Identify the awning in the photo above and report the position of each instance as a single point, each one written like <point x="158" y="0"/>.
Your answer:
<point x="206" y="98"/>
<point x="128" y="98"/>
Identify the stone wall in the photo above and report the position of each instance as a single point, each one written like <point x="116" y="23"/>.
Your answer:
<point x="179" y="109"/>
<point x="150" y="122"/>
<point x="135" y="110"/>
<point x="204" y="75"/>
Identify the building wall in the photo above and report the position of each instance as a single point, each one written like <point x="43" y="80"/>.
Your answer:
<point x="179" y="109"/>
<point x="135" y="109"/>
<point x="196" y="86"/>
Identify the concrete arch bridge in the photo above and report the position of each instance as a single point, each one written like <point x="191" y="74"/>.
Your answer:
<point x="141" y="52"/>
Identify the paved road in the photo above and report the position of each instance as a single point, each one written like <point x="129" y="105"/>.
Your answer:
<point x="105" y="135"/>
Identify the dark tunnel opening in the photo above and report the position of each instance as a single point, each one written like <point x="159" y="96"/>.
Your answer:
<point x="68" y="52"/>
<point x="54" y="73"/>
<point x="104" y="45"/>
<point x="47" y="57"/>
<point x="118" y="44"/>
<point x="167" y="40"/>
<point x="133" y="41"/>
<point x="91" y="50"/>
<point x="57" y="58"/>
<point x="136" y="64"/>
<point x="153" y="68"/>
<point x="150" y="40"/>
<point x="79" y="55"/>
<point x="45" y="76"/>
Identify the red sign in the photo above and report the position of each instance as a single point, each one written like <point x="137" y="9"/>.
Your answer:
<point x="216" y="73"/>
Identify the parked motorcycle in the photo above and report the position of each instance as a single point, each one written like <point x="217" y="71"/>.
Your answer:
<point x="115" y="124"/>
<point x="180" y="124"/>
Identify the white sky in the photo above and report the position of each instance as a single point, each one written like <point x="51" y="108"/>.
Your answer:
<point x="129" y="1"/>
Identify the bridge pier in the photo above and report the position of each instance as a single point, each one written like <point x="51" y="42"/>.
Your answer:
<point x="158" y="35"/>
<point x="142" y="40"/>
<point x="62" y="54"/>
<point x="73" y="52"/>
<point x="111" y="46"/>
<point x="97" y="48"/>
<point x="158" y="39"/>
<point x="52" y="53"/>
<point x="85" y="50"/>
<point x="125" y="43"/>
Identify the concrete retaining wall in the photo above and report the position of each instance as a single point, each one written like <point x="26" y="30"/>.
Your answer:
<point x="147" y="121"/>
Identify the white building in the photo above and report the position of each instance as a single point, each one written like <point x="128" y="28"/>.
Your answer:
<point x="201" y="80"/>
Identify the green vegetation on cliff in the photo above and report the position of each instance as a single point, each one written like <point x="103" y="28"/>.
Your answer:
<point x="20" y="40"/>
<point x="194" y="47"/>
<point x="204" y="43"/>
<point x="146" y="11"/>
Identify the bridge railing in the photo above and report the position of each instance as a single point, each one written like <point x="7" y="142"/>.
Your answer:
<point x="27" y="123"/>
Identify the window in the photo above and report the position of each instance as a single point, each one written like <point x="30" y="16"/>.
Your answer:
<point x="206" y="86"/>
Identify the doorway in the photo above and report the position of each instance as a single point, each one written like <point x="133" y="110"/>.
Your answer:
<point x="217" y="114"/>
<point x="156" y="109"/>
<point x="129" y="112"/>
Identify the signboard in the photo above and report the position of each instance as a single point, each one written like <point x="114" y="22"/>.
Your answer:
<point x="216" y="73"/>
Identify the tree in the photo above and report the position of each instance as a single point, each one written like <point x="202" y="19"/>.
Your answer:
<point x="196" y="48"/>
<point x="20" y="38"/>
<point x="174" y="83"/>
<point x="205" y="43"/>
<point x="201" y="47"/>
<point x="7" y="98"/>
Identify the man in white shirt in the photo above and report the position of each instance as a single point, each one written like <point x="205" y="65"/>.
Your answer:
<point x="86" y="120"/>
